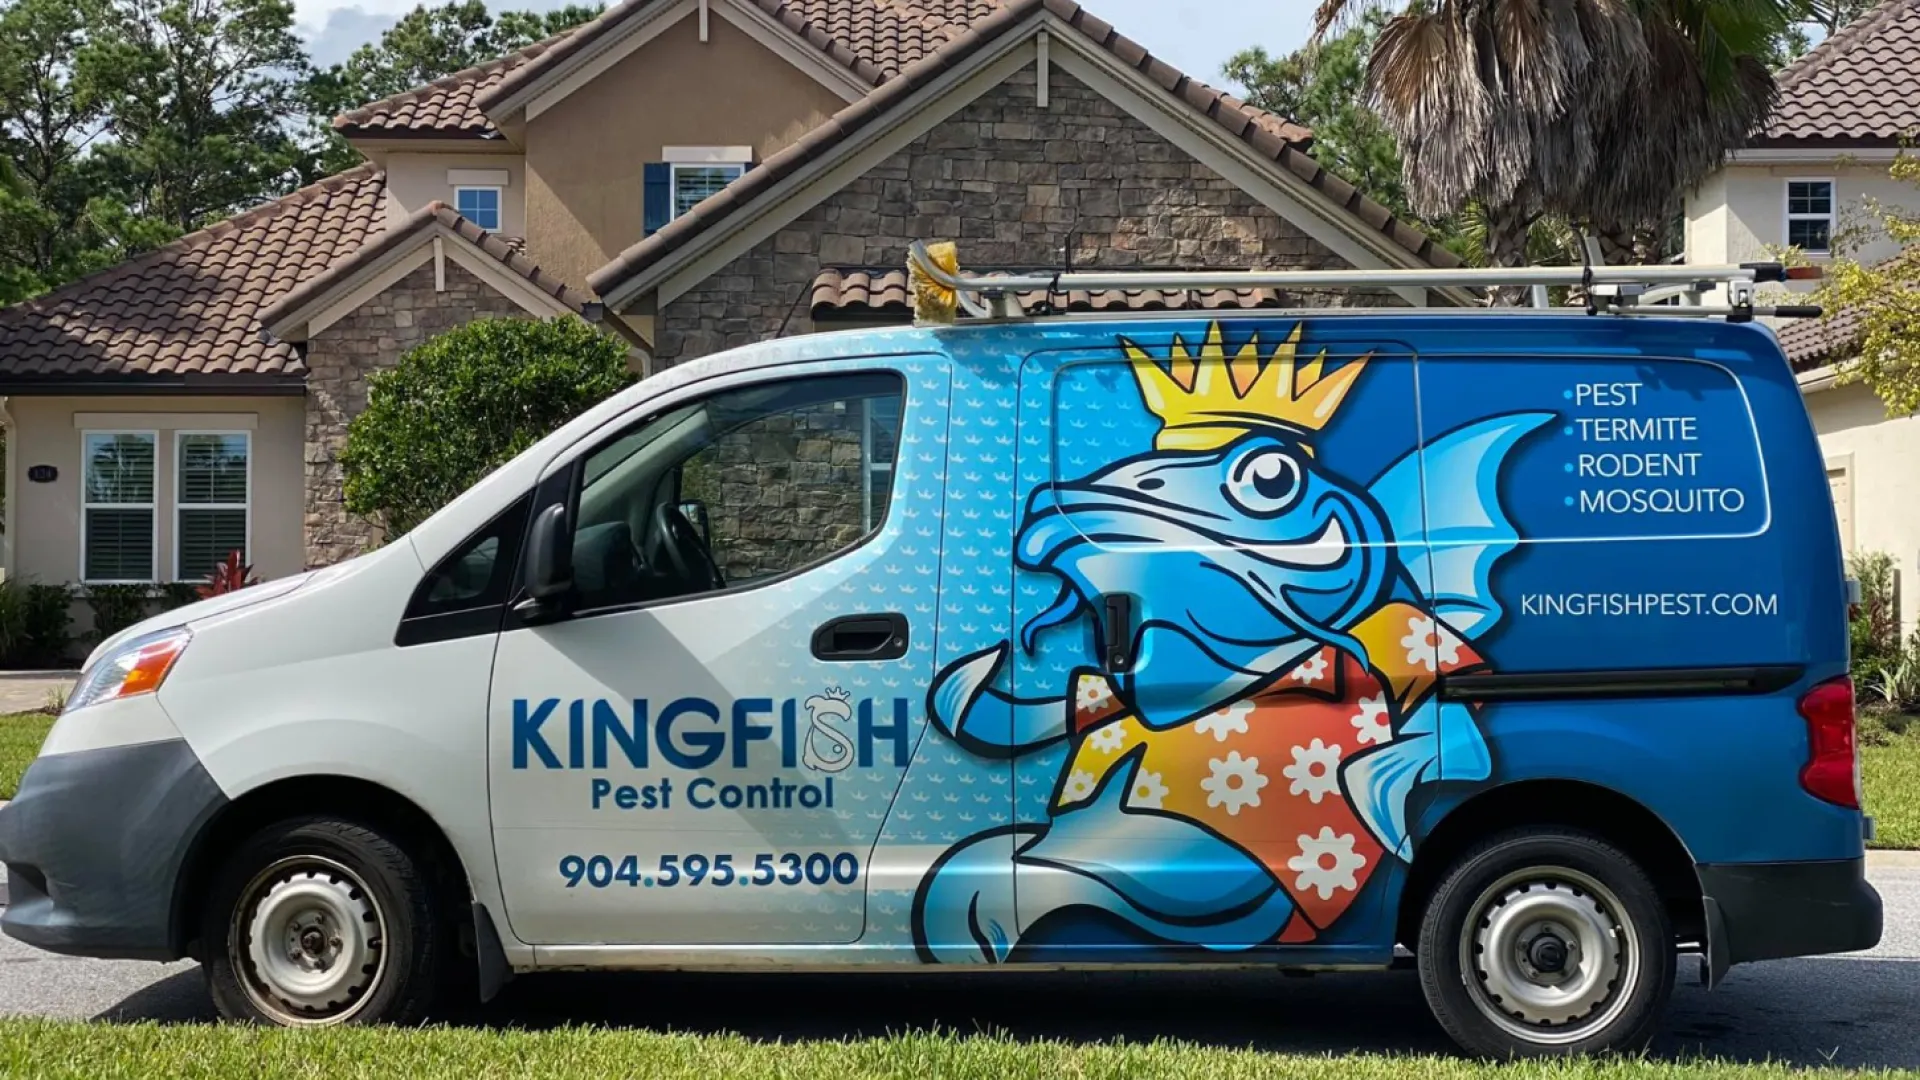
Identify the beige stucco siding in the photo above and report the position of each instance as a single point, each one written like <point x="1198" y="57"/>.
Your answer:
<point x="1881" y="459"/>
<point x="1740" y="213"/>
<point x="586" y="154"/>
<point x="414" y="180"/>
<point x="44" y="519"/>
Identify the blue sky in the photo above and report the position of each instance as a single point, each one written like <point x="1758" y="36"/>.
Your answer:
<point x="1195" y="36"/>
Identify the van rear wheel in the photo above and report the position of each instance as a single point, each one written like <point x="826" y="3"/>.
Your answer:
<point x="1546" y="942"/>
<point x="316" y="921"/>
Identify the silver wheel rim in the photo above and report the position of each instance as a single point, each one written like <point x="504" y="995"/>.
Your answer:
<point x="1550" y="955"/>
<point x="308" y="940"/>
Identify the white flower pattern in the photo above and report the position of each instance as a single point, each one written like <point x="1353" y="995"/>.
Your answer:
<point x="1148" y="792"/>
<point x="1222" y="722"/>
<point x="1079" y="786"/>
<point x="1094" y="694"/>
<point x="1371" y="721"/>
<point x="1108" y="738"/>
<point x="1315" y="771"/>
<point x="1311" y="670"/>
<point x="1234" y="782"/>
<point x="1327" y="863"/>
<point x="1427" y="640"/>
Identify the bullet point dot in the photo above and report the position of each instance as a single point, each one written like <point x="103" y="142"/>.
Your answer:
<point x="1568" y="430"/>
<point x="1569" y="466"/>
<point x="1568" y="394"/>
<point x="1569" y="500"/>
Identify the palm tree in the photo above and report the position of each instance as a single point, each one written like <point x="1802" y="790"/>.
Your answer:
<point x="1600" y="111"/>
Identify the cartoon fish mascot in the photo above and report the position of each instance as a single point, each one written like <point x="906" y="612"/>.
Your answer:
<point x="1241" y="783"/>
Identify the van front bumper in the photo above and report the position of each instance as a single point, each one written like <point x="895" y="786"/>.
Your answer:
<point x="1766" y="911"/>
<point x="94" y="844"/>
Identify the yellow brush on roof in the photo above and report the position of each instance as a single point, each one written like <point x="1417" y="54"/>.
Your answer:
<point x="932" y="301"/>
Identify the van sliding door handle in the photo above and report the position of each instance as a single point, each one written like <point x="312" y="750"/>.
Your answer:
<point x="1116" y="631"/>
<point x="862" y="637"/>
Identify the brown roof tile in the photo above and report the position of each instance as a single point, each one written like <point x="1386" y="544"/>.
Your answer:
<point x="1259" y="129"/>
<point x="508" y="251"/>
<point x="867" y="291"/>
<point x="1860" y="85"/>
<point x="444" y="108"/>
<point x="190" y="311"/>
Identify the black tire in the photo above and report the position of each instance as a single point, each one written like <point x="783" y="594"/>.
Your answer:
<point x="369" y="940"/>
<point x="1520" y="892"/>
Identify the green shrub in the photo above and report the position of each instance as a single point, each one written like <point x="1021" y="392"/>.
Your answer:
<point x="34" y="624"/>
<point x="461" y="404"/>
<point x="1874" y="631"/>
<point x="116" y="607"/>
<point x="13" y="620"/>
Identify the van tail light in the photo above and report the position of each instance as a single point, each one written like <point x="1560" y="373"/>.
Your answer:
<point x="1832" y="772"/>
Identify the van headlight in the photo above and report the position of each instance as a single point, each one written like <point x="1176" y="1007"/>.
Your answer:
<point x="137" y="667"/>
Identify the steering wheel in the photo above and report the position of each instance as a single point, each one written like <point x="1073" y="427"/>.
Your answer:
<point x="685" y="550"/>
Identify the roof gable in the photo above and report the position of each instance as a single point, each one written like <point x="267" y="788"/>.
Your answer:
<point x="1862" y="85"/>
<point x="445" y="107"/>
<point x="1277" y="145"/>
<point x="188" y="313"/>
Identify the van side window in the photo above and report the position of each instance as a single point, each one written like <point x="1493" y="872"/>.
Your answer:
<point x="465" y="593"/>
<point x="736" y="489"/>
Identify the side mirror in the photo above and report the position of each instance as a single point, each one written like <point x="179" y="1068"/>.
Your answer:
<point x="549" y="563"/>
<point x="695" y="512"/>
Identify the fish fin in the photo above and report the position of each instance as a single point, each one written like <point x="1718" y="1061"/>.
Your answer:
<point x="1437" y="742"/>
<point x="966" y="707"/>
<point x="1456" y="534"/>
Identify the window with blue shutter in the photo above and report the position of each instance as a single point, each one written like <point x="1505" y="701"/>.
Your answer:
<point x="659" y="192"/>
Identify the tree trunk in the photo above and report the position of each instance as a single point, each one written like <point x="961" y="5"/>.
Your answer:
<point x="1507" y="229"/>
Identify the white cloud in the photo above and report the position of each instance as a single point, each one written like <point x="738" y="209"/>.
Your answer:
<point x="333" y="28"/>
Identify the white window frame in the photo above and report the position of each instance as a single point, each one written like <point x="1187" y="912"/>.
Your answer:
<point x="180" y="504"/>
<point x="499" y="203"/>
<point x="152" y="507"/>
<point x="673" y="185"/>
<point x="1831" y="217"/>
<point x="869" y="468"/>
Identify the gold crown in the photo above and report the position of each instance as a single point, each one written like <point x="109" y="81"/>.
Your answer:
<point x="1207" y="399"/>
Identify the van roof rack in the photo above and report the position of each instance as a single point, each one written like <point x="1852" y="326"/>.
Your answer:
<point x="940" y="290"/>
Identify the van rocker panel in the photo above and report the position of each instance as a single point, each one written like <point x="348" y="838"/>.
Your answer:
<point x="94" y="844"/>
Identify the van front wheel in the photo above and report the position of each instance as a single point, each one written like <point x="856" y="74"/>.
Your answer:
<point x="315" y="921"/>
<point x="1546" y="942"/>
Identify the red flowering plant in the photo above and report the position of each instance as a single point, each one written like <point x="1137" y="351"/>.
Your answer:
<point x="229" y="575"/>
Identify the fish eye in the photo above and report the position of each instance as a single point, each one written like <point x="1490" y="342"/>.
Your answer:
<point x="1265" y="482"/>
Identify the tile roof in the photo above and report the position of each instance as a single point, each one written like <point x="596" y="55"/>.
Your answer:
<point x="188" y="313"/>
<point x="1812" y="343"/>
<point x="507" y="251"/>
<point x="1266" y="134"/>
<point x="1860" y="85"/>
<point x="445" y="107"/>
<point x="866" y="291"/>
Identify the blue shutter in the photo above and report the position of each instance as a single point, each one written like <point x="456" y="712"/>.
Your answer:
<point x="659" y="181"/>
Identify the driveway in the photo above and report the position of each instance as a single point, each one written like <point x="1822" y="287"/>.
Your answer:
<point x="24" y="691"/>
<point x="1855" y="1010"/>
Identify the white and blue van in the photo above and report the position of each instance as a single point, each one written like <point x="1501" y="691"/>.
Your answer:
<point x="1513" y="640"/>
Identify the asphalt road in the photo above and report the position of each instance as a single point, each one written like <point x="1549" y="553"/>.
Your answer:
<point x="1858" y="1010"/>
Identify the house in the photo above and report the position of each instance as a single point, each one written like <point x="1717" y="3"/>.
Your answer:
<point x="192" y="401"/>
<point x="1846" y="109"/>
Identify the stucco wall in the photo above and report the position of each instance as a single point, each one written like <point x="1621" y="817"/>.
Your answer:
<point x="1009" y="180"/>
<point x="586" y="155"/>
<point x="339" y="359"/>
<point x="44" y="519"/>
<point x="1882" y="457"/>
<point x="414" y="180"/>
<point x="1742" y="211"/>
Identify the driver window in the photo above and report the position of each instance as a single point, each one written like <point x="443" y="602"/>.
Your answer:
<point x="737" y="488"/>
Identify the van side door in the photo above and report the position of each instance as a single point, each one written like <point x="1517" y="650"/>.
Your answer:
<point x="703" y="748"/>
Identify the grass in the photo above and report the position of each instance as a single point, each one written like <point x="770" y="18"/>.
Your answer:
<point x="20" y="737"/>
<point x="56" y="1049"/>
<point x="1892" y="777"/>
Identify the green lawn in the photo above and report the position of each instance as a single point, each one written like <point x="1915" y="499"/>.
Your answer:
<point x="1892" y="775"/>
<point x="20" y="737"/>
<point x="97" y="1052"/>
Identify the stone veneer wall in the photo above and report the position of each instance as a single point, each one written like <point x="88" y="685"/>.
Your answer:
<point x="339" y="359"/>
<point x="1008" y="180"/>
